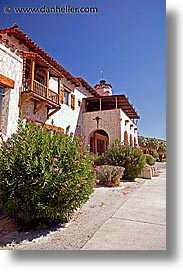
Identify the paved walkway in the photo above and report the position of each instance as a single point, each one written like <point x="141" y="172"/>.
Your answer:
<point x="139" y="224"/>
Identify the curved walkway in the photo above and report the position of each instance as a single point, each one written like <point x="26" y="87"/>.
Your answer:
<point x="139" y="224"/>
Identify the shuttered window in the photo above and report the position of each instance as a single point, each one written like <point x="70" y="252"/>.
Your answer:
<point x="61" y="96"/>
<point x="72" y="102"/>
<point x="65" y="95"/>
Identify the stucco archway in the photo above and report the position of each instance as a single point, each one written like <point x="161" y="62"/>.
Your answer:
<point x="99" y="141"/>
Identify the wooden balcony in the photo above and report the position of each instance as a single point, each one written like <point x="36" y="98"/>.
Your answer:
<point x="40" y="94"/>
<point x="40" y="90"/>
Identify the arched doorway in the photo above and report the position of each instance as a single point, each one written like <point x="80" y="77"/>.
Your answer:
<point x="135" y="142"/>
<point x="125" y="137"/>
<point x="131" y="140"/>
<point x="99" y="141"/>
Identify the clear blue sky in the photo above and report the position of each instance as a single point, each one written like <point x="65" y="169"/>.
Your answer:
<point x="126" y="38"/>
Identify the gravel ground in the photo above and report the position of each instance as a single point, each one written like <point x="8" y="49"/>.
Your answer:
<point x="103" y="203"/>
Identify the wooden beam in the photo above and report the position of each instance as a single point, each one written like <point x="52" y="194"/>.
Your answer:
<point x="32" y="69"/>
<point x="100" y="102"/>
<point x="116" y="100"/>
<point x="47" y="82"/>
<point x="59" y="79"/>
<point x="42" y="67"/>
<point x="53" y="112"/>
<point x="6" y="81"/>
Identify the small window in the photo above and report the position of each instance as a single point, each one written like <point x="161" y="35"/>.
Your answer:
<point x="79" y="103"/>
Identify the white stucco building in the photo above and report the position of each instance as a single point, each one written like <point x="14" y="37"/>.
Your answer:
<point x="32" y="81"/>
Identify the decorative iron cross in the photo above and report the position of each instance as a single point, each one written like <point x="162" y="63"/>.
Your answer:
<point x="102" y="74"/>
<point x="97" y="118"/>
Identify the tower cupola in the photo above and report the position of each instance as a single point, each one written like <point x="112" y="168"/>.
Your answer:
<point x="103" y="88"/>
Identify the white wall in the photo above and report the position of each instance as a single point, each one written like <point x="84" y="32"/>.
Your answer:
<point x="127" y="127"/>
<point x="66" y="116"/>
<point x="11" y="66"/>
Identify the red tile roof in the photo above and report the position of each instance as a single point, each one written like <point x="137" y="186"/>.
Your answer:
<point x="34" y="48"/>
<point x="42" y="56"/>
<point x="24" y="39"/>
<point x="9" y="45"/>
<point x="87" y="86"/>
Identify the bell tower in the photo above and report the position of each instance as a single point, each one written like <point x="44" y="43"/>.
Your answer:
<point x="103" y="88"/>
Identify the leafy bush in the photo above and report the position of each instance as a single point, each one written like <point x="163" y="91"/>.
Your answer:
<point x="131" y="158"/>
<point x="155" y="156"/>
<point x="45" y="175"/>
<point x="109" y="175"/>
<point x="149" y="159"/>
<point x="99" y="159"/>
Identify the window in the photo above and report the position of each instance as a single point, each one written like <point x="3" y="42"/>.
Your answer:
<point x="1" y="90"/>
<point x="40" y="77"/>
<point x="27" y="71"/>
<point x="1" y="97"/>
<point x="66" y="97"/>
<point x="5" y="82"/>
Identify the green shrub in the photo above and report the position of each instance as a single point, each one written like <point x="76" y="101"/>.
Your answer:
<point x="45" y="175"/>
<point x="109" y="175"/>
<point x="155" y="156"/>
<point x="149" y="159"/>
<point x="99" y="159"/>
<point x="131" y="158"/>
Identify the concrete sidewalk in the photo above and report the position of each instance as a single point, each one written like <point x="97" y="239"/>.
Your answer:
<point x="139" y="224"/>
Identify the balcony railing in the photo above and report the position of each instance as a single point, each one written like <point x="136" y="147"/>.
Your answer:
<point x="41" y="90"/>
<point x="52" y="96"/>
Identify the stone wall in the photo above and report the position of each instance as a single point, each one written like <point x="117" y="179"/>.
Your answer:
<point x="28" y="109"/>
<point x="110" y="122"/>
